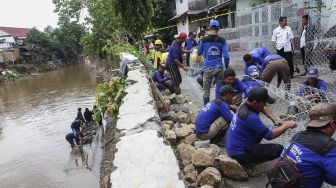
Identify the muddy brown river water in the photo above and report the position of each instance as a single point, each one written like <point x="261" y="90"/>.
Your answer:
<point x="35" y="116"/>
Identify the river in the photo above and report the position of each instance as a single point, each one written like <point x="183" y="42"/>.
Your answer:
<point x="36" y="114"/>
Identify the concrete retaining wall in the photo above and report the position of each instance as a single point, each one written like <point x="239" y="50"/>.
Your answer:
<point x="142" y="159"/>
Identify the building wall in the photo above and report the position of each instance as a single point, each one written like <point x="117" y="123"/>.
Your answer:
<point x="183" y="27"/>
<point x="181" y="6"/>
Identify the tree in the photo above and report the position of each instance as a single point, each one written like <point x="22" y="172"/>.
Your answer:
<point x="136" y="15"/>
<point x="163" y="11"/>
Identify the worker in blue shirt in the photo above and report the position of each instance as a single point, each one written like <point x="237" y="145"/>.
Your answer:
<point x="175" y="61"/>
<point x="215" y="116"/>
<point x="237" y="85"/>
<point x="276" y="64"/>
<point x="314" y="150"/>
<point x="162" y="80"/>
<point x="256" y="57"/>
<point x="188" y="45"/>
<point x="313" y="87"/>
<point x="214" y="48"/>
<point x="247" y="130"/>
<point x="250" y="81"/>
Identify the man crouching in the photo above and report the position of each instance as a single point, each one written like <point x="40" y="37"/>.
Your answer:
<point x="215" y="117"/>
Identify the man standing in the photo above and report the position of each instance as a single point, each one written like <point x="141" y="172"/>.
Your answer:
<point x="313" y="150"/>
<point x="215" y="117"/>
<point x="256" y="57"/>
<point x="247" y="130"/>
<point x="175" y="61"/>
<point x="214" y="48"/>
<point x="306" y="44"/>
<point x="283" y="41"/>
<point x="189" y="44"/>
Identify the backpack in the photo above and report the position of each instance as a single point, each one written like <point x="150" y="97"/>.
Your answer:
<point x="284" y="173"/>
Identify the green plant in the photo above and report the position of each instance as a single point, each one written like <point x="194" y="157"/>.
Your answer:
<point x="20" y="59"/>
<point x="109" y="96"/>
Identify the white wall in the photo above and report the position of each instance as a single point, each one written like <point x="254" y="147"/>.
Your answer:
<point x="181" y="27"/>
<point x="181" y="7"/>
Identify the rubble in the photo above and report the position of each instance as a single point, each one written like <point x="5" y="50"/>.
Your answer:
<point x="210" y="176"/>
<point x="204" y="157"/>
<point x="230" y="167"/>
<point x="185" y="153"/>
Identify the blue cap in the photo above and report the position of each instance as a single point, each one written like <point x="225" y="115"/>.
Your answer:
<point x="253" y="71"/>
<point x="312" y="72"/>
<point x="214" y="24"/>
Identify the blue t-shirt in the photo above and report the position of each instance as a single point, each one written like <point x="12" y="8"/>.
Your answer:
<point x="304" y="89"/>
<point x="246" y="129"/>
<point x="214" y="48"/>
<point x="175" y="52"/>
<point x="159" y="78"/>
<point x="190" y="43"/>
<point x="258" y="57"/>
<point x="250" y="83"/>
<point x="314" y="167"/>
<point x="268" y="59"/>
<point x="238" y="87"/>
<point x="209" y="113"/>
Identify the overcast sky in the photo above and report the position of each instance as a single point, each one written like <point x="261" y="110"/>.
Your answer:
<point x="28" y="13"/>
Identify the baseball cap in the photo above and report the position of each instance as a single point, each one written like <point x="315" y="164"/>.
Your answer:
<point x="182" y="35"/>
<point x="321" y="114"/>
<point x="214" y="24"/>
<point x="312" y="72"/>
<point x="253" y="71"/>
<point x="260" y="94"/>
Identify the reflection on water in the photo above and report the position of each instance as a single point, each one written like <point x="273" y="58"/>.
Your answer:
<point x="36" y="114"/>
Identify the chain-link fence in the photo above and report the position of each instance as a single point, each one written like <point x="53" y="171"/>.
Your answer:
<point x="254" y="27"/>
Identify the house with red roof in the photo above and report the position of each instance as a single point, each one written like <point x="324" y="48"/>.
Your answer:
<point x="11" y="40"/>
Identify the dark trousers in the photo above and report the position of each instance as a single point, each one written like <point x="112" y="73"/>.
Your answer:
<point x="175" y="74"/>
<point x="259" y="153"/>
<point x="306" y="55"/>
<point x="162" y="87"/>
<point x="188" y="59"/>
<point x="289" y="58"/>
<point x="70" y="138"/>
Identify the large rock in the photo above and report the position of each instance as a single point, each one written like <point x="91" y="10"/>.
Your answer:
<point x="206" y="186"/>
<point x="170" y="136"/>
<point x="178" y="99"/>
<point x="185" y="153"/>
<point x="180" y="108"/>
<point x="190" y="139"/>
<point x="210" y="176"/>
<point x="190" y="174"/>
<point x="204" y="157"/>
<point x="172" y="116"/>
<point x="166" y="126"/>
<point x="183" y="132"/>
<point x="170" y="122"/>
<point x="183" y="117"/>
<point x="193" y="109"/>
<point x="230" y="167"/>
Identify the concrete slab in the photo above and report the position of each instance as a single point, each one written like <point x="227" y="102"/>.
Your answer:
<point x="136" y="108"/>
<point x="144" y="161"/>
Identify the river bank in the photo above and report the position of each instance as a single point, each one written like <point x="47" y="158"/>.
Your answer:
<point x="36" y="115"/>
<point x="12" y="72"/>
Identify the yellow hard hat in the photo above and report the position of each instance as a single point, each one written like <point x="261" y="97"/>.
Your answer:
<point x="158" y="42"/>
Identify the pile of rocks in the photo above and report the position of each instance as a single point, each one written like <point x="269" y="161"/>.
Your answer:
<point x="202" y="164"/>
<point x="88" y="132"/>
